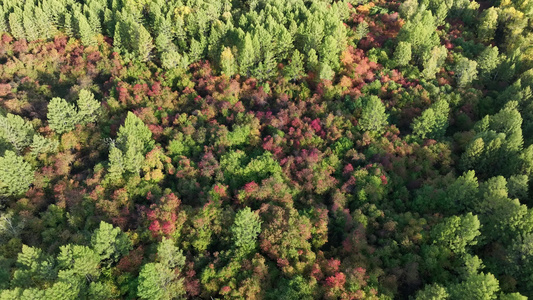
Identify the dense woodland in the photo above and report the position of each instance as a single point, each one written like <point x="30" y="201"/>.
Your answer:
<point x="266" y="149"/>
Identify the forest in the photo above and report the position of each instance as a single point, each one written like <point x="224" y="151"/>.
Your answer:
<point x="266" y="149"/>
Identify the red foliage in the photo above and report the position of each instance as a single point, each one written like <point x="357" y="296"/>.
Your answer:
<point x="163" y="215"/>
<point x="132" y="261"/>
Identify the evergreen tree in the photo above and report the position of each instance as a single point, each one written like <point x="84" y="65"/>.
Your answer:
<point x="227" y="62"/>
<point x="433" y="60"/>
<point x="432" y="292"/>
<point x="110" y="243"/>
<point x="16" y="131"/>
<point x="295" y="68"/>
<point x="433" y="122"/>
<point x="28" y="20"/>
<point x="16" y="175"/>
<point x="402" y="54"/>
<point x="15" y="24"/>
<point x="488" y="61"/>
<point x="41" y="144"/>
<point x="142" y="43"/>
<point x="62" y="116"/>
<point x="373" y="116"/>
<point x="245" y="229"/>
<point x="246" y="56"/>
<point x="88" y="107"/>
<point x="85" y="31"/>
<point x="488" y="24"/>
<point x="465" y="71"/>
<point x="457" y="232"/>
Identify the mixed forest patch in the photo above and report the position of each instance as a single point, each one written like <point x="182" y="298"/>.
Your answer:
<point x="266" y="149"/>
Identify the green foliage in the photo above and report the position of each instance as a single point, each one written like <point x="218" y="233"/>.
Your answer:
<point x="41" y="144"/>
<point x="110" y="243"/>
<point x="432" y="292"/>
<point x="88" y="108"/>
<point x="62" y="116"/>
<point x="227" y="62"/>
<point x="295" y="67"/>
<point x="420" y="32"/>
<point x="487" y="62"/>
<point x="16" y="175"/>
<point x="488" y="24"/>
<point x="456" y="233"/>
<point x="402" y="54"/>
<point x="134" y="139"/>
<point x="16" y="131"/>
<point x="478" y="286"/>
<point x="373" y="116"/>
<point x="245" y="229"/>
<point x="159" y="280"/>
<point x="433" y="122"/>
<point x="465" y="71"/>
<point x="433" y="60"/>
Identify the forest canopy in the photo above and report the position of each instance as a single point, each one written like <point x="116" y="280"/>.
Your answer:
<point x="266" y="149"/>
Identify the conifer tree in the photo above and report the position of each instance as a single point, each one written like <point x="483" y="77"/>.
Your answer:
<point x="246" y="56"/>
<point x="433" y="122"/>
<point x="110" y="243"/>
<point x="488" y="61"/>
<point x="143" y="43"/>
<point x="85" y="31"/>
<point x="28" y="20"/>
<point x="16" y="175"/>
<point x="488" y="24"/>
<point x="245" y="229"/>
<point x="88" y="107"/>
<point x="465" y="71"/>
<point x="373" y="116"/>
<point x="62" y="116"/>
<point x="227" y="62"/>
<point x="295" y="68"/>
<point x="15" y="24"/>
<point x="16" y="131"/>
<point x="402" y="54"/>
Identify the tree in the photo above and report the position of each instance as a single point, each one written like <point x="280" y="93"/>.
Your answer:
<point x="85" y="31"/>
<point x="41" y="144"/>
<point x="142" y="43"/>
<point x="433" y="60"/>
<point x="88" y="107"/>
<point x="134" y="139"/>
<point x="295" y="68"/>
<point x="402" y="54"/>
<point x="432" y="292"/>
<point x="16" y="175"/>
<point x="456" y="233"/>
<point x="78" y="263"/>
<point x="488" y="61"/>
<point x="15" y="24"/>
<point x="420" y="32"/>
<point x="62" y="116"/>
<point x="246" y="55"/>
<point x="245" y="229"/>
<point x="433" y="122"/>
<point x="408" y="9"/>
<point x="373" y="116"/>
<point x="110" y="243"/>
<point x="16" y="131"/>
<point x="478" y="286"/>
<point x="488" y="24"/>
<point x="465" y="71"/>
<point x="169" y="255"/>
<point x="227" y="62"/>
<point x="512" y="296"/>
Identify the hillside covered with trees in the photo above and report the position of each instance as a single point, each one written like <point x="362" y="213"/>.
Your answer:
<point x="266" y="149"/>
